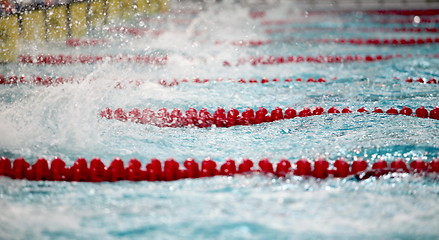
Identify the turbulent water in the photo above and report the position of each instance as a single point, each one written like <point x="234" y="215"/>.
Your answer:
<point x="63" y="120"/>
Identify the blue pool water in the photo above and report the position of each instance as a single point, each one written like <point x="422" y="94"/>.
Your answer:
<point x="64" y="121"/>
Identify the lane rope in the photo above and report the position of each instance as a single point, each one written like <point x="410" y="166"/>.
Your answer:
<point x="412" y="20"/>
<point x="170" y="170"/>
<point x="352" y="41"/>
<point x="407" y="12"/>
<point x="61" y="59"/>
<point x="276" y="60"/>
<point x="220" y="118"/>
<point x="53" y="81"/>
<point x="356" y="29"/>
<point x="397" y="12"/>
<point x="422" y="80"/>
<point x="76" y="42"/>
<point x="175" y="82"/>
<point x="409" y="21"/>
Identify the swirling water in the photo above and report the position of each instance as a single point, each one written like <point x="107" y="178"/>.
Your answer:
<point x="64" y="121"/>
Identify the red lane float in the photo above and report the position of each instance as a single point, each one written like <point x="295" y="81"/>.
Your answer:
<point x="422" y="80"/>
<point x="53" y="81"/>
<point x="411" y="20"/>
<point x="406" y="12"/>
<point x="400" y="12"/>
<point x="353" y="41"/>
<point x="256" y="14"/>
<point x="170" y="170"/>
<point x="62" y="59"/>
<point x="275" y="60"/>
<point x="37" y="80"/>
<point x="220" y="118"/>
<point x="384" y="41"/>
<point x="49" y="81"/>
<point x="357" y="29"/>
<point x="252" y="80"/>
<point x="75" y="42"/>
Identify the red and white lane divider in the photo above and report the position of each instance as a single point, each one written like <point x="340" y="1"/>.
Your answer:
<point x="275" y="60"/>
<point x="61" y="59"/>
<point x="220" y="118"/>
<point x="75" y="42"/>
<point x="170" y="170"/>
<point x="410" y="20"/>
<point x="384" y="41"/>
<point x="242" y="80"/>
<point x="404" y="12"/>
<point x="356" y="29"/>
<point x="37" y="80"/>
<point x="53" y="81"/>
<point x="256" y="14"/>
<point x="396" y="12"/>
<point x="422" y="80"/>
<point x="353" y="41"/>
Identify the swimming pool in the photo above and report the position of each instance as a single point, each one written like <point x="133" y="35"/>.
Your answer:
<point x="63" y="120"/>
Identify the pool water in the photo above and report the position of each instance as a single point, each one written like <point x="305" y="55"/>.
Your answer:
<point x="63" y="120"/>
